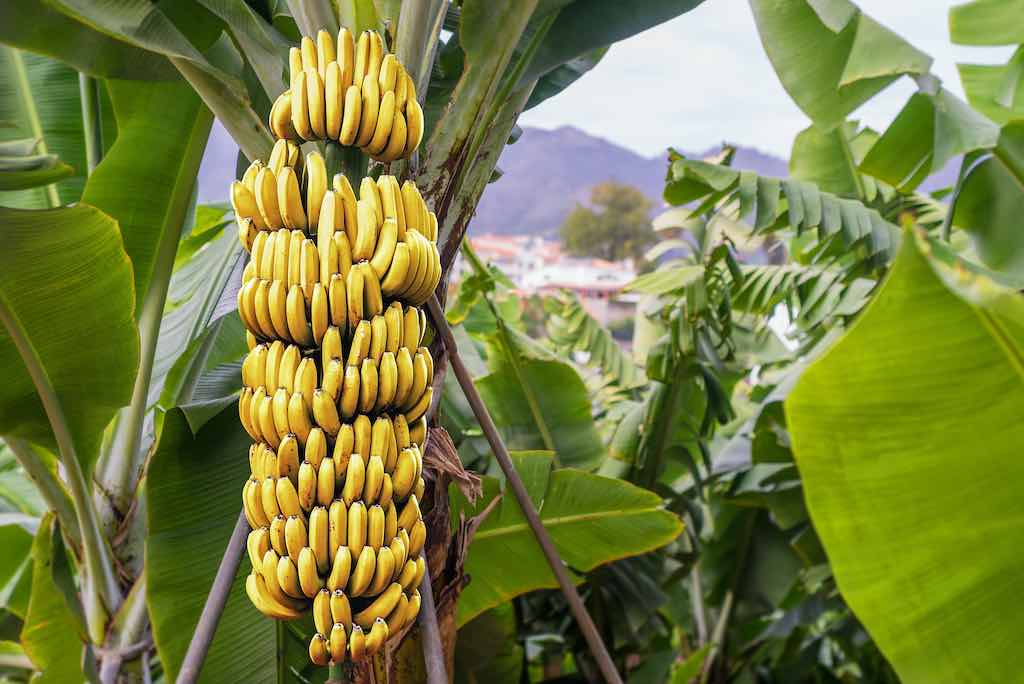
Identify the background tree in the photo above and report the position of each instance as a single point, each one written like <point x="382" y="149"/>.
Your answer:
<point x="616" y="226"/>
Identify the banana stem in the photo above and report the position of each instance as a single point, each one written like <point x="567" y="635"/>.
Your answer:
<point x="100" y="590"/>
<point x="49" y="485"/>
<point x="215" y="602"/>
<point x="483" y="416"/>
<point x="433" y="651"/>
<point x="28" y="104"/>
<point x="92" y="120"/>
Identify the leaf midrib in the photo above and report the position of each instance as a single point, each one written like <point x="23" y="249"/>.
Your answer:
<point x="563" y="520"/>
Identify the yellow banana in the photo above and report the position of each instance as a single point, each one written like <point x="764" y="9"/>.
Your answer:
<point x="308" y="50"/>
<point x="394" y="325"/>
<point x="341" y="609"/>
<point x="417" y="537"/>
<point x="316" y="185"/>
<point x="356" y="528"/>
<point x="411" y="333"/>
<point x="408" y="574"/>
<point x="401" y="88"/>
<point x="369" y="226"/>
<point x="265" y="262"/>
<point x="343" y="187"/>
<point x="278" y="157"/>
<point x="396" y="620"/>
<point x="255" y="587"/>
<point x="401" y="428"/>
<point x="355" y="476"/>
<point x="397" y="277"/>
<point x="362" y="56"/>
<point x="354" y="294"/>
<point x="410" y="514"/>
<point x="349" y="402"/>
<point x="289" y="199"/>
<point x="325" y="54"/>
<point x="357" y="643"/>
<point x="346" y="55"/>
<point x="243" y="202"/>
<point x="305" y="380"/>
<point x="406" y="376"/>
<point x="397" y="139"/>
<point x="374" y="479"/>
<point x="300" y="107"/>
<point x="397" y="546"/>
<point x="245" y="410"/>
<point x="412" y="203"/>
<point x="351" y="116"/>
<point x="380" y="434"/>
<point x="247" y="233"/>
<point x="322" y="611"/>
<point x="257" y="544"/>
<point x="370" y="109"/>
<point x="315" y="103"/>
<point x="377" y="637"/>
<point x="327" y="223"/>
<point x="268" y="498"/>
<point x="388" y="73"/>
<point x="318" y="312"/>
<point x="277" y="303"/>
<point x="316" y="448"/>
<point x="387" y="491"/>
<point x="338" y="299"/>
<point x="343" y="249"/>
<point x="362" y="430"/>
<point x="325" y="482"/>
<point x="343" y="450"/>
<point x="375" y="527"/>
<point x="368" y="378"/>
<point x="318" y="652"/>
<point x="298" y="324"/>
<point x="295" y="536"/>
<point x="265" y="418"/>
<point x="378" y="338"/>
<point x="309" y="580"/>
<point x="373" y="296"/>
<point x="261" y="305"/>
<point x="250" y="339"/>
<point x="268" y="568"/>
<point x="421" y="487"/>
<point x="418" y="432"/>
<point x="369" y="191"/>
<point x="420" y="408"/>
<point x="362" y="338"/>
<point x="307" y="261"/>
<point x="375" y="57"/>
<point x="381" y="606"/>
<point x="362" y="573"/>
<point x="334" y="372"/>
<point x="319" y="537"/>
<point x="384" y="252"/>
<point x="337" y="525"/>
<point x="414" y="608"/>
<point x="288" y="498"/>
<point x="404" y="477"/>
<point x="288" y="578"/>
<point x="330" y="347"/>
<point x="279" y="409"/>
<point x="307" y="486"/>
<point x="254" y="367"/>
<point x="281" y="117"/>
<point x="419" y="384"/>
<point x="414" y="135"/>
<point x="337" y="643"/>
<point x="288" y="458"/>
<point x="386" y="116"/>
<point x="341" y="569"/>
<point x="254" y="410"/>
<point x="298" y="417"/>
<point x="287" y="367"/>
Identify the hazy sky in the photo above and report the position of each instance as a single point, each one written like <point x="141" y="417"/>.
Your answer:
<point x="703" y="78"/>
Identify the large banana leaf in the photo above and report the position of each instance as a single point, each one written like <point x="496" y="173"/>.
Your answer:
<point x="830" y="57"/>
<point x="67" y="283"/>
<point x="52" y="633"/>
<point x="146" y="179"/>
<point x="193" y="488"/>
<point x="33" y="25"/>
<point x="591" y="519"/>
<point x="987" y="22"/>
<point x="907" y="434"/>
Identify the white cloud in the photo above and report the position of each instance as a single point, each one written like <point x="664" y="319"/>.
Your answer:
<point x="703" y="78"/>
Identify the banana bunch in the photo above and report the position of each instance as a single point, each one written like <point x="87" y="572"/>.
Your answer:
<point x="350" y="92"/>
<point x="336" y="385"/>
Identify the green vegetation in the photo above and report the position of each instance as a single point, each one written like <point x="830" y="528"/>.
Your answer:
<point x="615" y="226"/>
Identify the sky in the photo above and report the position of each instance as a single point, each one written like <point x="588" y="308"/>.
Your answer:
<point x="704" y="78"/>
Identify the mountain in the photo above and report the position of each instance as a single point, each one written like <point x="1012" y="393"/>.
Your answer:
<point x="545" y="174"/>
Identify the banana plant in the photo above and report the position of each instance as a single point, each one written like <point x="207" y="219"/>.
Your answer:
<point x="120" y="343"/>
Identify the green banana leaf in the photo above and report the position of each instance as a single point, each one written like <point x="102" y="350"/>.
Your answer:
<point x="67" y="283"/>
<point x="53" y="92"/>
<point x="853" y="56"/>
<point x="987" y="22"/>
<point x="52" y="633"/>
<point x="488" y="648"/>
<point x="992" y="201"/>
<point x="193" y="489"/>
<point x="928" y="132"/>
<point x="984" y="83"/>
<point x="15" y="566"/>
<point x="562" y="403"/>
<point x="37" y="27"/>
<point x="829" y="160"/>
<point x="591" y="519"/>
<point x="146" y="179"/>
<point x="907" y="434"/>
